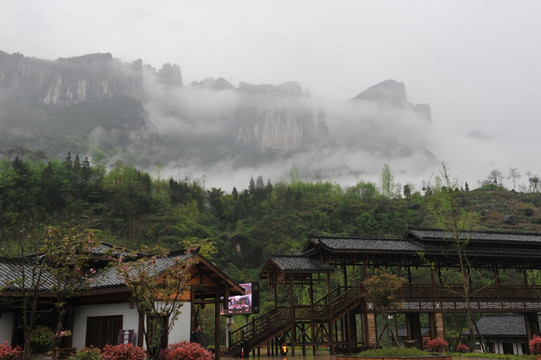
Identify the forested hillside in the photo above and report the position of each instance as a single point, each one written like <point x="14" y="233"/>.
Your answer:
<point x="237" y="230"/>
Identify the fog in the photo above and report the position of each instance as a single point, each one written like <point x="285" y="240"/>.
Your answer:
<point x="475" y="62"/>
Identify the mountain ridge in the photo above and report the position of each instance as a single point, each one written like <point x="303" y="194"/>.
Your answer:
<point x="104" y="108"/>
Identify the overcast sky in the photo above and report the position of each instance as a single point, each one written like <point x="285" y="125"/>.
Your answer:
<point x="477" y="63"/>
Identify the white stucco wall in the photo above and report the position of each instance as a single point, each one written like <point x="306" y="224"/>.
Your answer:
<point x="130" y="319"/>
<point x="6" y="326"/>
<point x="181" y="328"/>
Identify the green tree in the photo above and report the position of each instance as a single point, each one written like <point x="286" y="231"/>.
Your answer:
<point x="383" y="289"/>
<point x="387" y="182"/>
<point x="455" y="221"/>
<point x="158" y="294"/>
<point x="55" y="258"/>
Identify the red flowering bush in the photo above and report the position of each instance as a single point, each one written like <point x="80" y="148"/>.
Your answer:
<point x="461" y="348"/>
<point x="437" y="345"/>
<point x="186" y="351"/>
<point x="123" y="352"/>
<point x="535" y="345"/>
<point x="10" y="353"/>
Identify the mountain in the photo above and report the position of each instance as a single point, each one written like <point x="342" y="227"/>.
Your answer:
<point x="98" y="106"/>
<point x="391" y="93"/>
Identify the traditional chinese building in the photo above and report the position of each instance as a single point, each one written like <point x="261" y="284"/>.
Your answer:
<point x="427" y="259"/>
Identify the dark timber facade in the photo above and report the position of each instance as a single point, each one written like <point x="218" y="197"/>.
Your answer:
<point x="345" y="319"/>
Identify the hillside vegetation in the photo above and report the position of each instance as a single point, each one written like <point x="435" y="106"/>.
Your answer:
<point x="236" y="230"/>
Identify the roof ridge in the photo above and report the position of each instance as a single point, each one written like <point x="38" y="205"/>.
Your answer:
<point x="528" y="233"/>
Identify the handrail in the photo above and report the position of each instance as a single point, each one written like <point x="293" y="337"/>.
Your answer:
<point x="271" y="321"/>
<point x="279" y="319"/>
<point x="477" y="291"/>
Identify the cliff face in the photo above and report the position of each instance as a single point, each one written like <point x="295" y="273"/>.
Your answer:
<point x="273" y="118"/>
<point x="88" y="78"/>
<point x="58" y="106"/>
<point x="96" y="105"/>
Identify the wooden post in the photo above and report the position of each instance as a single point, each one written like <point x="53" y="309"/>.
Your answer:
<point x="344" y="270"/>
<point x="331" y="315"/>
<point x="275" y="297"/>
<point x="496" y="279"/>
<point x="433" y="281"/>
<point x="217" y="323"/>
<point x="292" y="316"/>
<point x="526" y="282"/>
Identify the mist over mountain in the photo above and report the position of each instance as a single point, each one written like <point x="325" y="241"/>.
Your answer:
<point x="109" y="110"/>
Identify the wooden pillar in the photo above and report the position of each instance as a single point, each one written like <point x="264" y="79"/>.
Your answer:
<point x="275" y="296"/>
<point x="413" y="323"/>
<point x="433" y="281"/>
<point x="217" y="323"/>
<point x="532" y="324"/>
<point x="526" y="282"/>
<point x="365" y="271"/>
<point x="311" y="294"/>
<point x="331" y="315"/>
<point x="344" y="270"/>
<point x="292" y="316"/>
<point x="352" y="330"/>
<point x="141" y="330"/>
<point x="496" y="279"/>
<point x="192" y="308"/>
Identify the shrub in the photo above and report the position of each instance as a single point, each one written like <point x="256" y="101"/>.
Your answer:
<point x="42" y="340"/>
<point x="87" y="353"/>
<point x="535" y="345"/>
<point x="123" y="352"/>
<point x="9" y="353"/>
<point x="186" y="351"/>
<point x="461" y="348"/>
<point x="437" y="345"/>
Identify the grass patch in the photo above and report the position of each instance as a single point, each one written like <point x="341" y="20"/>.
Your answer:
<point x="494" y="356"/>
<point x="394" y="352"/>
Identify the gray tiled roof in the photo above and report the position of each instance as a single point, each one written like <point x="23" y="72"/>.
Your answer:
<point x="368" y="244"/>
<point x="103" y="249"/>
<point x="298" y="263"/>
<point x="505" y="325"/>
<point x="110" y="278"/>
<point x="11" y="271"/>
<point x="423" y="234"/>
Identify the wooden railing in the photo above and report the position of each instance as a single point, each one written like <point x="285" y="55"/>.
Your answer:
<point x="273" y="322"/>
<point x="341" y="300"/>
<point x="261" y="327"/>
<point x="477" y="292"/>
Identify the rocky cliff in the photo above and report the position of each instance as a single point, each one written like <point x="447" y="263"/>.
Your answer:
<point x="98" y="106"/>
<point x="273" y="117"/>
<point x="71" y="98"/>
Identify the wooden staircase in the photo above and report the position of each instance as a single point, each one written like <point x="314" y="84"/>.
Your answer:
<point x="266" y="326"/>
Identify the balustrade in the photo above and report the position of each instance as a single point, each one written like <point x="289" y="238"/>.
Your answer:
<point x="477" y="292"/>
